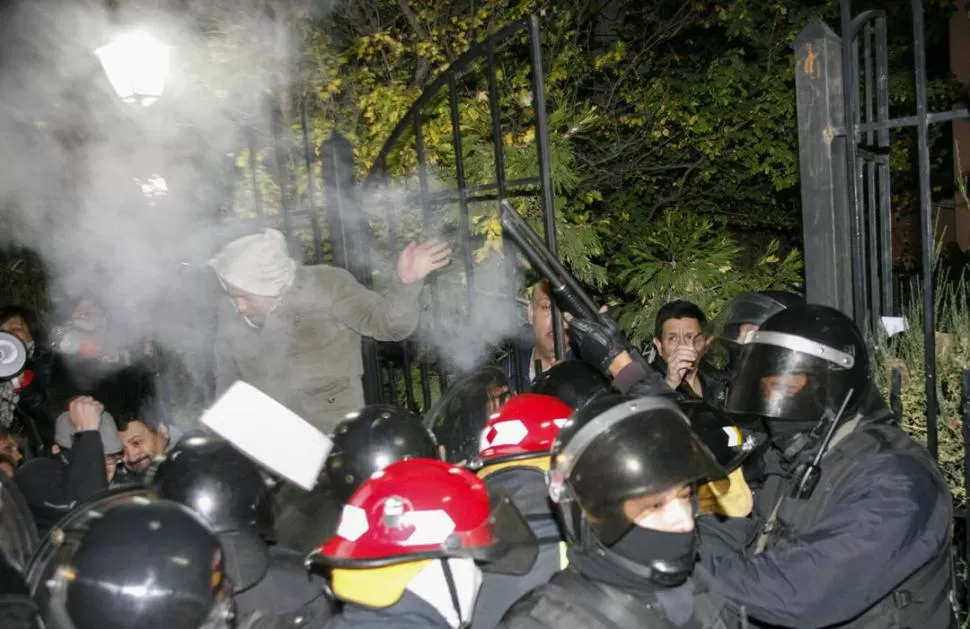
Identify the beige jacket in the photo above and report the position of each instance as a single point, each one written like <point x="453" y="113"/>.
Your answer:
<point x="307" y="355"/>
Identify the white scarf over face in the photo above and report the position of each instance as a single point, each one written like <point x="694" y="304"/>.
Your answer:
<point x="258" y="264"/>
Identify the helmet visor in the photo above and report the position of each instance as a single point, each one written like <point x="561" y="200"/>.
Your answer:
<point x="735" y="323"/>
<point x="779" y="383"/>
<point x="514" y="548"/>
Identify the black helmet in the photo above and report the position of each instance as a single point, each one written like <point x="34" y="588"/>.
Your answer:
<point x="616" y="448"/>
<point x="228" y="490"/>
<point x="727" y="441"/>
<point x="371" y="439"/>
<point x="575" y="382"/>
<point x="752" y="309"/>
<point x="746" y="309"/>
<point x="818" y="344"/>
<point x="458" y="418"/>
<point x="73" y="524"/>
<point x="147" y="564"/>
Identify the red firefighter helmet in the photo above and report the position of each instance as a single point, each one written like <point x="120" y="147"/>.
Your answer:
<point x="424" y="509"/>
<point x="524" y="427"/>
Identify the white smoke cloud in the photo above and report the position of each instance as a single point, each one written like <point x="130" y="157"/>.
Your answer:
<point x="116" y="198"/>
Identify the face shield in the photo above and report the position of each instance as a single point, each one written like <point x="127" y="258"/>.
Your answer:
<point x="787" y="377"/>
<point x="735" y="324"/>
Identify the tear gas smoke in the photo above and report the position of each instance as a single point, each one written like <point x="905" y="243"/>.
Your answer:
<point x="117" y="197"/>
<point x="112" y="195"/>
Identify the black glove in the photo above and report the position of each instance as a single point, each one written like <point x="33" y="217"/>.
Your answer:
<point x="598" y="340"/>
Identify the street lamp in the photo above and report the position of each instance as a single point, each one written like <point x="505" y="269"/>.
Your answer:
<point x="136" y="64"/>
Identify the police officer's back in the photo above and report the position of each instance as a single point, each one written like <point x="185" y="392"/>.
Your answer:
<point x="514" y="459"/>
<point x="863" y="538"/>
<point x="621" y="476"/>
<point x="230" y="493"/>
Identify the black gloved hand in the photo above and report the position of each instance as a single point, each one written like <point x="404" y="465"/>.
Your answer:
<point x="598" y="341"/>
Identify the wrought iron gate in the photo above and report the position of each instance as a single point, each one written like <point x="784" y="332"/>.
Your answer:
<point x="344" y="222"/>
<point x="844" y="129"/>
<point x="844" y="138"/>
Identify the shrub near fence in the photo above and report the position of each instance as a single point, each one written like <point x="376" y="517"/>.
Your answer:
<point x="905" y="353"/>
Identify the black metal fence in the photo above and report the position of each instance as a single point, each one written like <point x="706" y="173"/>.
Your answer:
<point x="845" y="137"/>
<point x="413" y="191"/>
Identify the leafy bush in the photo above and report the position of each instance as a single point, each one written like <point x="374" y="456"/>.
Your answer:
<point x="906" y="353"/>
<point x="695" y="258"/>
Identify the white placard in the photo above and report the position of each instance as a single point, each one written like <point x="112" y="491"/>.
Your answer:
<point x="894" y="325"/>
<point x="270" y="433"/>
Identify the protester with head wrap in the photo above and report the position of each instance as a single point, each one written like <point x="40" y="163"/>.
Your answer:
<point x="294" y="332"/>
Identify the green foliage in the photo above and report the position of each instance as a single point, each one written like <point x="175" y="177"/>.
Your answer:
<point x="906" y="353"/>
<point x="694" y="258"/>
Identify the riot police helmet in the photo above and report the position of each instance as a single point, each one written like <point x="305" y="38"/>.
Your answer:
<point x="573" y="381"/>
<point x="616" y="448"/>
<point x="803" y="362"/>
<point x="146" y="564"/>
<point x="230" y="492"/>
<point x="748" y="311"/>
<point x="367" y="441"/>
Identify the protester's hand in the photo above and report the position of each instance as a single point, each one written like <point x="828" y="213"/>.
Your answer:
<point x="599" y="340"/>
<point x="85" y="413"/>
<point x="681" y="362"/>
<point x="416" y="262"/>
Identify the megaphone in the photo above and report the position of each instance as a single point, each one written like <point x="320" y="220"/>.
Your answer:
<point x="13" y="356"/>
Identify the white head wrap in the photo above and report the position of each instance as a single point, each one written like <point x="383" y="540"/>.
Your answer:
<point x="258" y="264"/>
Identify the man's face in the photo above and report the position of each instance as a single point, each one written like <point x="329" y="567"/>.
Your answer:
<point x="745" y="330"/>
<point x="775" y="388"/>
<point x="669" y="512"/>
<point x="678" y="333"/>
<point x="253" y="307"/>
<point x="88" y="316"/>
<point x="8" y="447"/>
<point x="18" y="327"/>
<point x="541" y="322"/>
<point x="142" y="445"/>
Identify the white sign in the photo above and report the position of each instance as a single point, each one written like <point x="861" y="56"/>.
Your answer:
<point x="270" y="433"/>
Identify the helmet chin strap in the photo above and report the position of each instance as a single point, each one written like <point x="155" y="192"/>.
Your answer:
<point x="453" y="591"/>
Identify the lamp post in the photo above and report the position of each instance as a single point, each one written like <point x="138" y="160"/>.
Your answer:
<point x="137" y="65"/>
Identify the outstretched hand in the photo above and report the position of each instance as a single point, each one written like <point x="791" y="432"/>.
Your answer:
<point x="416" y="262"/>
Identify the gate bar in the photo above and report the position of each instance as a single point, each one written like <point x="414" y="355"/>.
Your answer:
<point x="926" y="220"/>
<point x="856" y="235"/>
<point x="463" y="218"/>
<point x="545" y="171"/>
<point x="907" y="121"/>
